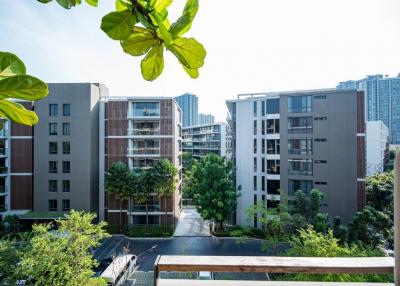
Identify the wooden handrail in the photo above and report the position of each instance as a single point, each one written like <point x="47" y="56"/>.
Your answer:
<point x="274" y="264"/>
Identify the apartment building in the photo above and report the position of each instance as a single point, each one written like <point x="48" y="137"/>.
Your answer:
<point x="299" y="140"/>
<point x="53" y="166"/>
<point x="189" y="104"/>
<point x="205" y="119"/>
<point x="205" y="139"/>
<point x="139" y="132"/>
<point x="377" y="146"/>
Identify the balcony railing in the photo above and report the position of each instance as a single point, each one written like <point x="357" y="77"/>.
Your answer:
<point x="142" y="208"/>
<point x="260" y="264"/>
<point x="144" y="151"/>
<point x="143" y="132"/>
<point x="3" y="170"/>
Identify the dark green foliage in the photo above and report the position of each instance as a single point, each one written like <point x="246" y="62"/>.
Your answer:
<point x="211" y="188"/>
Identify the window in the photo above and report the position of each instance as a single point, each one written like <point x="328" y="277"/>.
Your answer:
<point x="66" y="167"/>
<point x="52" y="166"/>
<point x="52" y="186"/>
<point x="255" y="127"/>
<point x="272" y="126"/>
<point x="66" y="205"/>
<point x="320" y="161"/>
<point x="52" y="205"/>
<point x="263" y="146"/>
<point x="66" y="129"/>
<point x="303" y="185"/>
<point x="66" y="186"/>
<point x="66" y="147"/>
<point x="298" y="104"/>
<point x="53" y="128"/>
<point x="273" y="106"/>
<point x="320" y="139"/>
<point x="66" y="109"/>
<point x="263" y="183"/>
<point x="320" y="118"/>
<point x="262" y="127"/>
<point x="298" y="125"/>
<point x="255" y="146"/>
<point x="53" y="110"/>
<point x="273" y="146"/>
<point x="263" y="108"/>
<point x="300" y="167"/>
<point x="143" y="109"/>
<point x="53" y="147"/>
<point x="263" y="165"/>
<point x="255" y="108"/>
<point x="255" y="183"/>
<point x="320" y="97"/>
<point x="273" y="167"/>
<point x="321" y="183"/>
<point x="273" y="187"/>
<point x="300" y="146"/>
<point x="255" y="165"/>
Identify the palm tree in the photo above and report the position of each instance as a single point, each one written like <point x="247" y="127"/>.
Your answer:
<point x="117" y="182"/>
<point x="165" y="179"/>
<point x="143" y="186"/>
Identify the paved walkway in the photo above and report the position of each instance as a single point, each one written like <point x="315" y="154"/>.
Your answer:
<point x="191" y="224"/>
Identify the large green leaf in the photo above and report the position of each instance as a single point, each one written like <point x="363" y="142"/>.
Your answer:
<point x="118" y="25"/>
<point x="121" y="5"/>
<point x="193" y="73"/>
<point x="17" y="113"/>
<point x="10" y="65"/>
<point x="161" y="5"/>
<point x="189" y="52"/>
<point x="93" y="3"/>
<point x="44" y="1"/>
<point x="140" y="42"/>
<point x="162" y="31"/>
<point x="68" y="4"/>
<point x="23" y="87"/>
<point x="153" y="64"/>
<point x="184" y="23"/>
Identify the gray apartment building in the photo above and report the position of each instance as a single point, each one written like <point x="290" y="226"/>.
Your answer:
<point x="53" y="166"/>
<point x="201" y="140"/>
<point x="189" y="104"/>
<point x="139" y="132"/>
<point x="299" y="140"/>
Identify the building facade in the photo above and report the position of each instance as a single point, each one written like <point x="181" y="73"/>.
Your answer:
<point x="139" y="132"/>
<point x="377" y="146"/>
<point x="201" y="140"/>
<point x="53" y="166"/>
<point x="189" y="104"/>
<point x="205" y="119"/>
<point x="299" y="141"/>
<point x="382" y="94"/>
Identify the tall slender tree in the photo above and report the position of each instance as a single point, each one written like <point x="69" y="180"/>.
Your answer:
<point x="143" y="186"/>
<point x="165" y="180"/>
<point x="117" y="182"/>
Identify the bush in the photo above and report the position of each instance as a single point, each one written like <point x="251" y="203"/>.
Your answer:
<point x="140" y="230"/>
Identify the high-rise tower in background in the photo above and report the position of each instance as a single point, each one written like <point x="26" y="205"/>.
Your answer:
<point x="189" y="104"/>
<point x="382" y="101"/>
<point x="205" y="119"/>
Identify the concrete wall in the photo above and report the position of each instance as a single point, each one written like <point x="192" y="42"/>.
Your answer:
<point x="377" y="140"/>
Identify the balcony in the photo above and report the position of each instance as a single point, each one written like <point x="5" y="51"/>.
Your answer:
<point x="3" y="170"/>
<point x="144" y="151"/>
<point x="3" y="208"/>
<point x="144" y="132"/>
<point x="2" y="190"/>
<point x="142" y="208"/>
<point x="257" y="264"/>
<point x="3" y="151"/>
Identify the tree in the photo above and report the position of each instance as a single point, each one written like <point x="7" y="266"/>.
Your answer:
<point x="165" y="179"/>
<point x="316" y="201"/>
<point x="340" y="231"/>
<point x="9" y="258"/>
<point x="15" y="84"/>
<point x="141" y="195"/>
<point x="212" y="188"/>
<point x="62" y="257"/>
<point x="301" y="203"/>
<point x="379" y="190"/>
<point x="117" y="181"/>
<point x="142" y="27"/>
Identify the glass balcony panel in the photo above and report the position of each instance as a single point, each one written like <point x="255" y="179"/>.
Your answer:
<point x="142" y="208"/>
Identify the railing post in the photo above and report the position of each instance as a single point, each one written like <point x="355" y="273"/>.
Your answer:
<point x="396" y="199"/>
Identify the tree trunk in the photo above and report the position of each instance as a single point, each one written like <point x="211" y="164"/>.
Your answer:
<point x="221" y="225"/>
<point x="147" y="219"/>
<point x="166" y="215"/>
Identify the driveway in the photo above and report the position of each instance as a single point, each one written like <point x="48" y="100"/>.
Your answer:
<point x="190" y="223"/>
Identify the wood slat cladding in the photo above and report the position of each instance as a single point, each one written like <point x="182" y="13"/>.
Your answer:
<point x="116" y="123"/>
<point x="21" y="130"/>
<point x="169" y="204"/>
<point x="361" y="196"/>
<point x="112" y="202"/>
<point x="166" y="145"/>
<point x="361" y="157"/>
<point x="166" y="126"/>
<point x="360" y="112"/>
<point x="21" y="155"/>
<point x="166" y="108"/>
<point x="116" y="127"/>
<point x="21" y="192"/>
<point x="116" y="147"/>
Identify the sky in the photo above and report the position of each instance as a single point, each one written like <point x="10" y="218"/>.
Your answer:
<point x="252" y="46"/>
